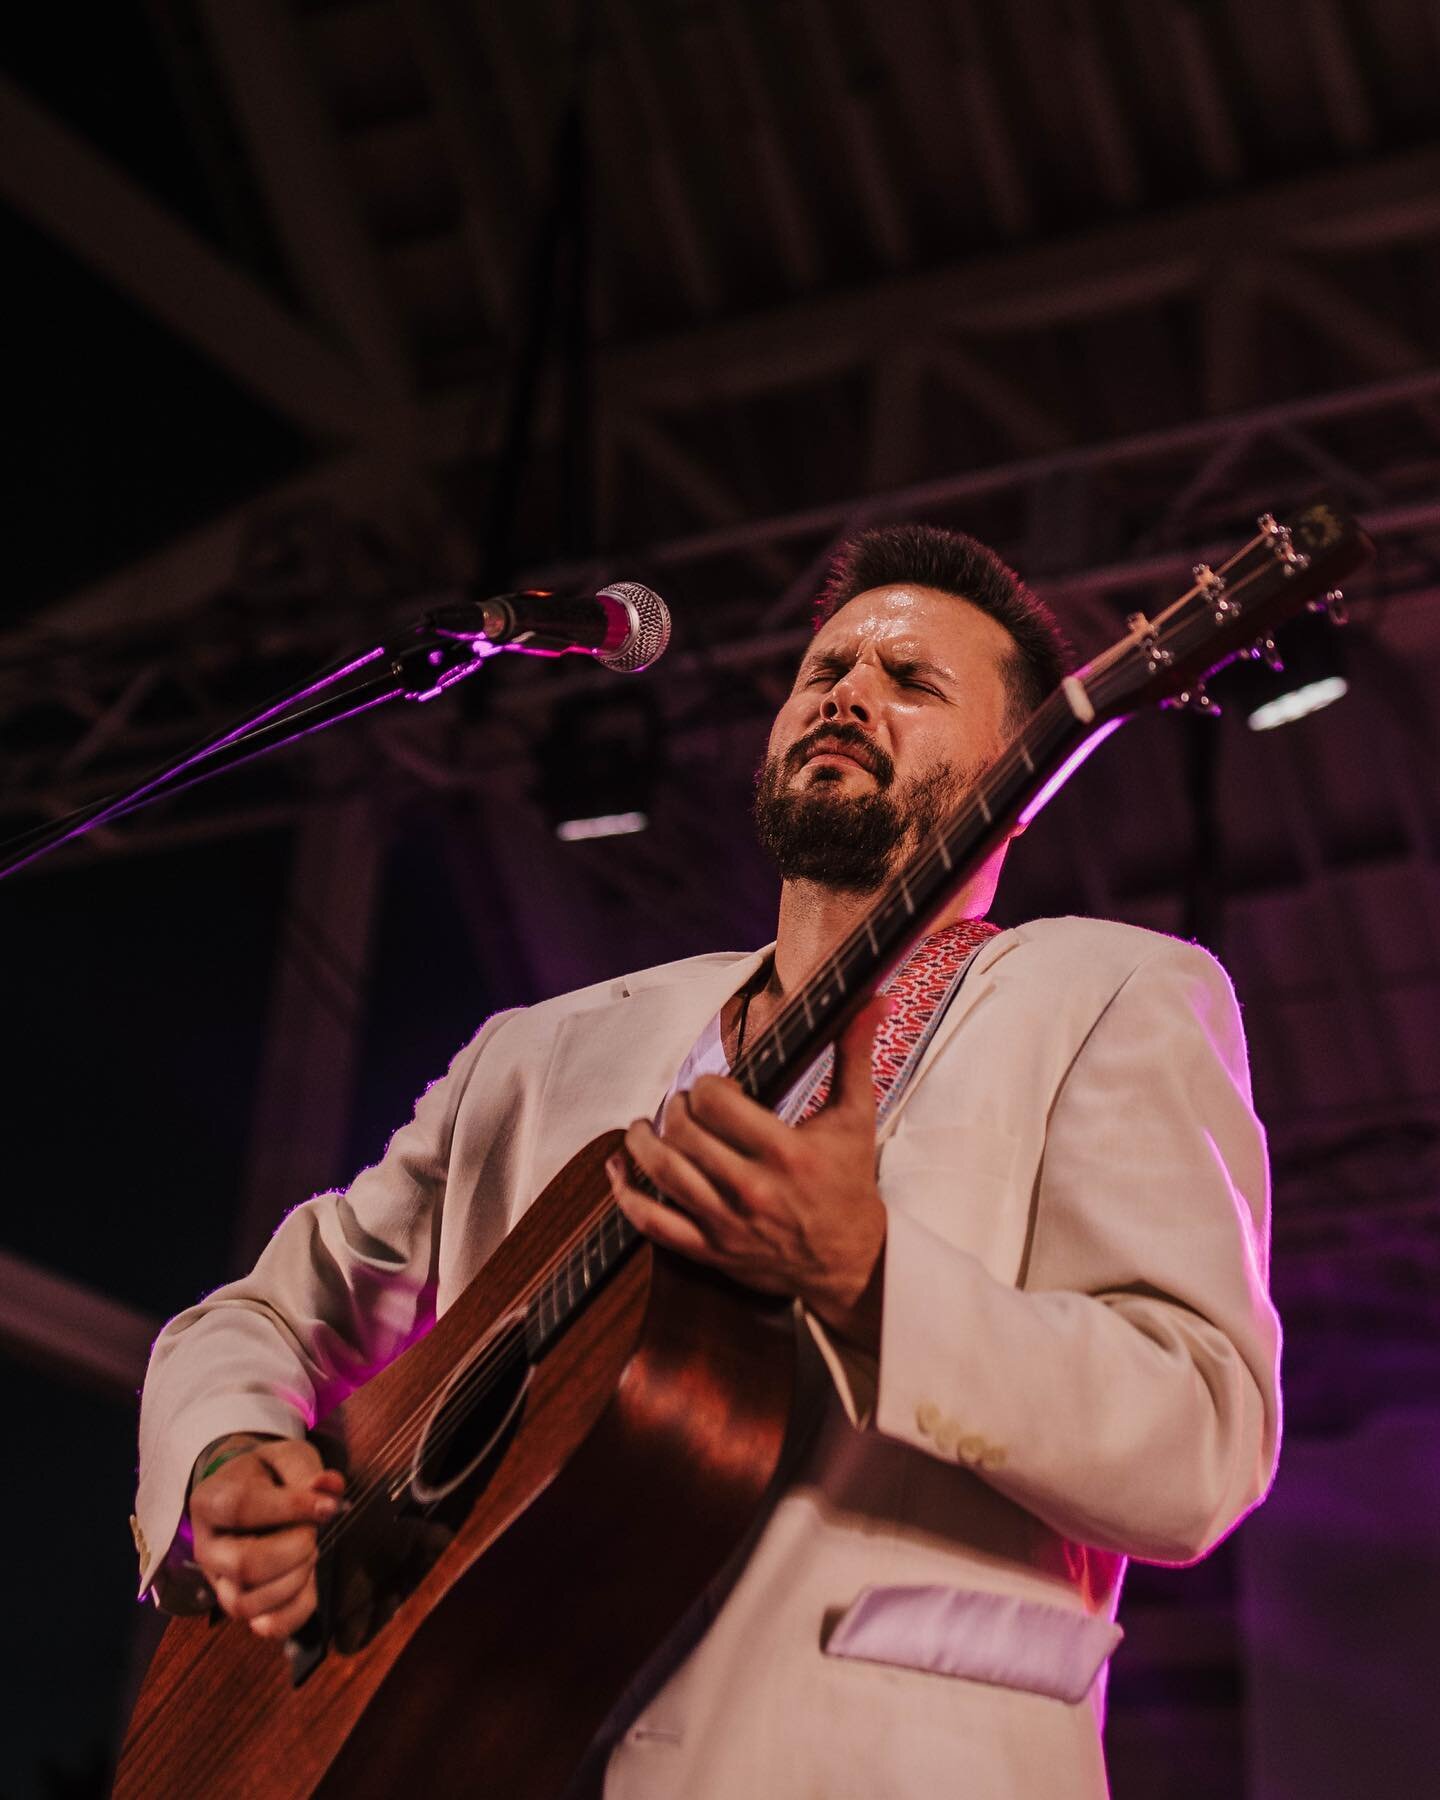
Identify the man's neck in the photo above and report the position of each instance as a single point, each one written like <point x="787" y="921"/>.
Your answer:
<point x="815" y="919"/>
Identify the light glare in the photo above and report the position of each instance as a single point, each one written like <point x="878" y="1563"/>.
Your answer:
<point x="603" y="825"/>
<point x="1298" y="703"/>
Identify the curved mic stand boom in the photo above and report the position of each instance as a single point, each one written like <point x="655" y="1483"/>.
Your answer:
<point x="443" y="647"/>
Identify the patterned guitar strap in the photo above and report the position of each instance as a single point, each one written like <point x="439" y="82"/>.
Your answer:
<point x="921" y="988"/>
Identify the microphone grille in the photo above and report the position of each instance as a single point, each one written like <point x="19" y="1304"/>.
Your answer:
<point x="650" y="629"/>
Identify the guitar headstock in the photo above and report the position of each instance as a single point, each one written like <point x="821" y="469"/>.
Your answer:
<point x="1229" y="611"/>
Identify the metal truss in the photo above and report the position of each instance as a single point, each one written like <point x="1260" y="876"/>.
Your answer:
<point x="97" y="692"/>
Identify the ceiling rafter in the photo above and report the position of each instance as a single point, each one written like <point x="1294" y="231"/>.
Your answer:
<point x="1217" y="142"/>
<point x="1379" y="347"/>
<point x="1108" y="271"/>
<point x="1375" y="1057"/>
<point x="1227" y="333"/>
<point x="76" y="195"/>
<point x="70" y="1327"/>
<point x="296" y="154"/>
<point x="859" y="132"/>
<point x="893" y="453"/>
<point x="1033" y="428"/>
<point x="665" y="166"/>
<point x="684" y="474"/>
<point x="444" y="55"/>
<point x="186" y="577"/>
<point x="529" y="114"/>
<point x="1100" y="114"/>
<point x="1347" y="105"/>
<point x="796" y="244"/>
<point x="1007" y="192"/>
<point x="158" y="588"/>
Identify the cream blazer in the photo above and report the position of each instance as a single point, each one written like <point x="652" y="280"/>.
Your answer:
<point x="1078" y="1360"/>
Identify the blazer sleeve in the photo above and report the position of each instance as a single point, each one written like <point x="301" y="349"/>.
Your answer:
<point x="345" y="1284"/>
<point x="1127" y="1391"/>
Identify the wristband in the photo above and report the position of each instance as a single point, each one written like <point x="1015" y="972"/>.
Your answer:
<point x="219" y="1461"/>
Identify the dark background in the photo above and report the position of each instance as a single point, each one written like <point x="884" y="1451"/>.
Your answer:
<point x="1097" y="281"/>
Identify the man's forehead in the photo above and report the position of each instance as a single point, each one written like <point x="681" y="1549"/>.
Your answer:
<point x="913" y="624"/>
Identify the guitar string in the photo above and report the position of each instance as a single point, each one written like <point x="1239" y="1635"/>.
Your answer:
<point x="479" y="1380"/>
<point x="469" y="1389"/>
<point x="407" y="1431"/>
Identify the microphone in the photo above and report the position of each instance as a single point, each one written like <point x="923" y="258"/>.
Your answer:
<point x="625" y="626"/>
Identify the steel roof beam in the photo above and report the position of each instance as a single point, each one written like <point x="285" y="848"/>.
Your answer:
<point x="67" y="1327"/>
<point x="296" y="155"/>
<point x="76" y="195"/>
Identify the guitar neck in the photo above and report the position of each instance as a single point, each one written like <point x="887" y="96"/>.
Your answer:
<point x="1226" y="612"/>
<point x="1051" y="745"/>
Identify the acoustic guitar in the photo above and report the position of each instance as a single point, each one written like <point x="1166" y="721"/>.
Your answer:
<point x="541" y="1487"/>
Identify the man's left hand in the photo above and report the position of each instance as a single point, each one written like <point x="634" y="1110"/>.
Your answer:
<point x="787" y="1209"/>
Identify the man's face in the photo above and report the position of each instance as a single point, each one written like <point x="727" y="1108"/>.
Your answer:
<point x="898" y="703"/>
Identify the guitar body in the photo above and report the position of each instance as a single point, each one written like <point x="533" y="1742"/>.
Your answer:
<point x="643" y="1448"/>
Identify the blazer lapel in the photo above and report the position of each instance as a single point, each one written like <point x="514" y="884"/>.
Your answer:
<point x="647" y="1035"/>
<point x="975" y="989"/>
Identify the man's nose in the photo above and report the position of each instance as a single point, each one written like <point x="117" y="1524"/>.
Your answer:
<point x="848" y="699"/>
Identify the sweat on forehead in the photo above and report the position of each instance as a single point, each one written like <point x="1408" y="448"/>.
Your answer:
<point x="901" y="655"/>
<point x="911" y="629"/>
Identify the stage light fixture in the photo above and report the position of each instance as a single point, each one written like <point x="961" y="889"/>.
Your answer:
<point x="597" y="766"/>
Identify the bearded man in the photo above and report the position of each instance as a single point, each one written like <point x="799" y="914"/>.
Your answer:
<point x="1029" y="1291"/>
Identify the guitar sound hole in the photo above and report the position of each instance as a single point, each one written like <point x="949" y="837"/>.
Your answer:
<point x="474" y="1415"/>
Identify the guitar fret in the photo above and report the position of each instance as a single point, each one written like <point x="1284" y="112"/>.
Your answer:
<point x="1031" y="767"/>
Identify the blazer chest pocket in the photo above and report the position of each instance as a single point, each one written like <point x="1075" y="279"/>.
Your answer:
<point x="967" y="1183"/>
<point x="995" y="1638"/>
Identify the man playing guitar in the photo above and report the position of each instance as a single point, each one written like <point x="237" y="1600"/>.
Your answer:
<point x="1030" y="1301"/>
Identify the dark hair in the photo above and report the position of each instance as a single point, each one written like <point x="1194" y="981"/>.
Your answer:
<point x="929" y="556"/>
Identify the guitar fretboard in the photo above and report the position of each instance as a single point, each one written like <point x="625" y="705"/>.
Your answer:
<point x="819" y="1010"/>
<point x="1227" y="609"/>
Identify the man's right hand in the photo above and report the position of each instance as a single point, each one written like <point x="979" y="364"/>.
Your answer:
<point x="254" y="1522"/>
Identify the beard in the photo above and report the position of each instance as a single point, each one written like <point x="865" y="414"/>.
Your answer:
<point x="848" y="842"/>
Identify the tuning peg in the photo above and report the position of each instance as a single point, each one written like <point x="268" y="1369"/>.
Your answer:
<point x="1196" y="700"/>
<point x="1264" y="651"/>
<point x="1282" y="545"/>
<point x="1331" y="606"/>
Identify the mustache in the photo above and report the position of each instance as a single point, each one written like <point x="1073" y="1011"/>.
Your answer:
<point x="848" y="738"/>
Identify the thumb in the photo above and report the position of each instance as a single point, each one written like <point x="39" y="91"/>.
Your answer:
<point x="854" y="1084"/>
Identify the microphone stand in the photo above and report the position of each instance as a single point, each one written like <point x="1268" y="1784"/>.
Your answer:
<point x="419" y="666"/>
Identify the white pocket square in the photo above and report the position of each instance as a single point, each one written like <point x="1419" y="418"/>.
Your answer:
<point x="984" y="1637"/>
